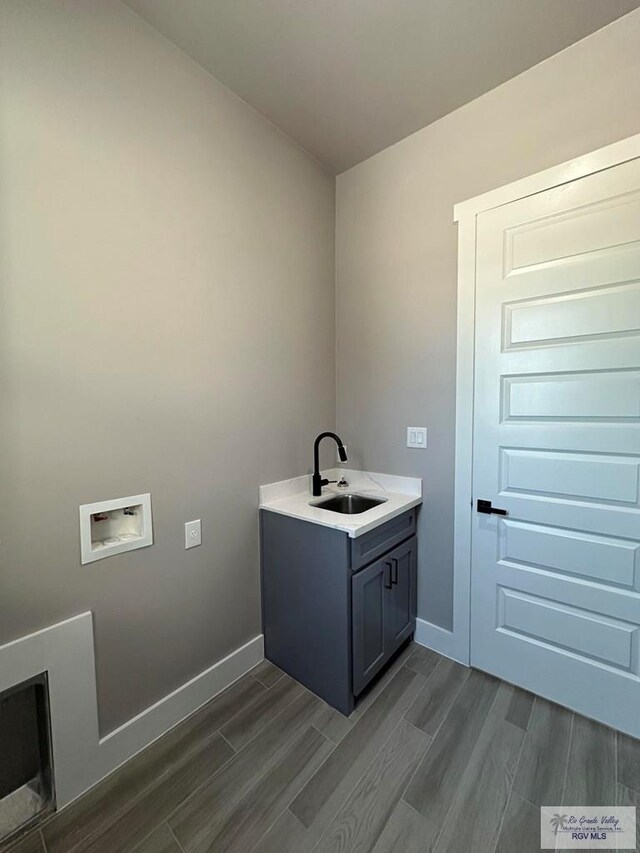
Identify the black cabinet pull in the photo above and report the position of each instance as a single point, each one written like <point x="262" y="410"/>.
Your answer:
<point x="394" y="570"/>
<point x="486" y="508"/>
<point x="387" y="575"/>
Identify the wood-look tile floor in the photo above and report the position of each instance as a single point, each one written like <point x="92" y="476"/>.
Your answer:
<point x="437" y="757"/>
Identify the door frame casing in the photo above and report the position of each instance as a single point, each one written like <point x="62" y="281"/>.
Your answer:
<point x="465" y="214"/>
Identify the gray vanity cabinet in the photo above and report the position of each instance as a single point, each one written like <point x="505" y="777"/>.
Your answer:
<point x="401" y="621"/>
<point x="383" y="608"/>
<point x="370" y="646"/>
<point x="335" y="609"/>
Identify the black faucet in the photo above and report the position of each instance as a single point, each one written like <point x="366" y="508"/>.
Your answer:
<point x="317" y="480"/>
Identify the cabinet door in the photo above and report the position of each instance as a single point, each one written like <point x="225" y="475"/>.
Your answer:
<point x="400" y="618"/>
<point x="370" y="591"/>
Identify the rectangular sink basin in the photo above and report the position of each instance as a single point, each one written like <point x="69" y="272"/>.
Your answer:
<point x="349" y="504"/>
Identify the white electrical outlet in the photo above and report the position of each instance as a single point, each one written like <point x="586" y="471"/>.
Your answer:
<point x="417" y="437"/>
<point x="193" y="533"/>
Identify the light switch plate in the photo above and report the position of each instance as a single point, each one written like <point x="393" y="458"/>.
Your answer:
<point x="417" y="437"/>
<point x="193" y="533"/>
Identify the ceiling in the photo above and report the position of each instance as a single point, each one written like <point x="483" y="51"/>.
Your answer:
<point x="347" y="78"/>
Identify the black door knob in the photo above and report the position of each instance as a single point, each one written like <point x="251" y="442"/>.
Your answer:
<point x="486" y="508"/>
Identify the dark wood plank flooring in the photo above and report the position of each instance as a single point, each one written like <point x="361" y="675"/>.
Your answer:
<point x="436" y="757"/>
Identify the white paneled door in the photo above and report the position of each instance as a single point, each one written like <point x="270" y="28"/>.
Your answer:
<point x="555" y="599"/>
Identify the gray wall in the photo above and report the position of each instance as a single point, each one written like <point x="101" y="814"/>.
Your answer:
<point x="396" y="256"/>
<point x="167" y="325"/>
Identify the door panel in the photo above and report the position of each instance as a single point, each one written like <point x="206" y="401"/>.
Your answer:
<point x="572" y="233"/>
<point x="591" y="476"/>
<point x="574" y="317"/>
<point x="369" y="592"/>
<point x="555" y="600"/>
<point x="604" y="559"/>
<point x="581" y="396"/>
<point x="562" y="626"/>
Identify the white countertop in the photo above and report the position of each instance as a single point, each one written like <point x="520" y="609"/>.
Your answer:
<point x="293" y="498"/>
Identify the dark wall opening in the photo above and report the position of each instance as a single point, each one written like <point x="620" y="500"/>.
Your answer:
<point x="26" y="777"/>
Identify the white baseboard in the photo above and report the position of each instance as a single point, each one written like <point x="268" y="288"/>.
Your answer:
<point x="81" y="758"/>
<point x="442" y="641"/>
<point x="136" y="734"/>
